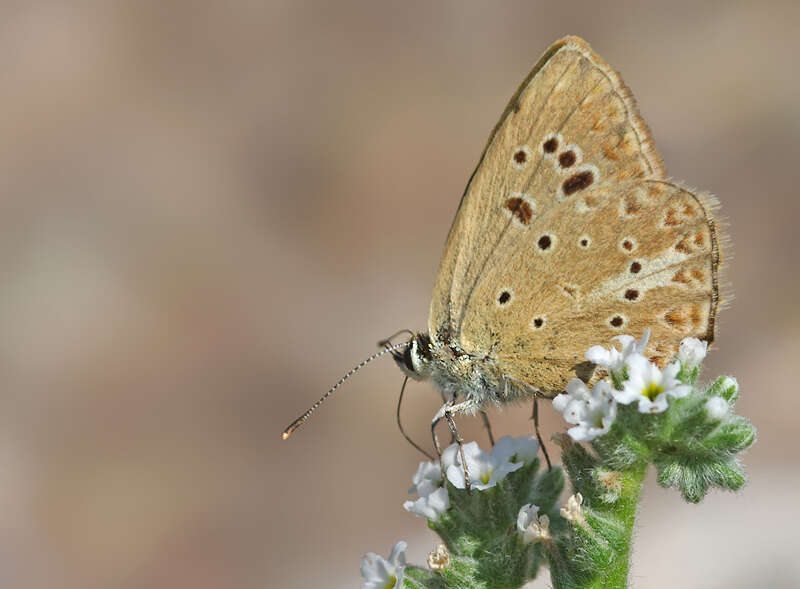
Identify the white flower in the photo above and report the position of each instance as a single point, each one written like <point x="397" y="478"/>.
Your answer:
<point x="534" y="527"/>
<point x="485" y="470"/>
<point x="691" y="352"/>
<point x="439" y="558"/>
<point x="650" y="386"/>
<point x="572" y="510"/>
<point x="433" y="499"/>
<point x="450" y="456"/>
<point x="717" y="407"/>
<point x="523" y="449"/>
<point x="427" y="479"/>
<point x="431" y="506"/>
<point x="379" y="573"/>
<point x="614" y="360"/>
<point x="592" y="412"/>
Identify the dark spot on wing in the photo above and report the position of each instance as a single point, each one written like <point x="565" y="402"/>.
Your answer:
<point x="544" y="242"/>
<point x="520" y="208"/>
<point x="566" y="159"/>
<point x="577" y="182"/>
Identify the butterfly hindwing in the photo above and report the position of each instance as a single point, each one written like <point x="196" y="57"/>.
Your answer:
<point x="643" y="255"/>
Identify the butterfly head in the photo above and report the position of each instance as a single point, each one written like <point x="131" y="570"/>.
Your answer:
<point x="415" y="358"/>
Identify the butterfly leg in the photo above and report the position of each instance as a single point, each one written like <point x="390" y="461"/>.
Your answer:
<point x="400" y="425"/>
<point x="535" y="418"/>
<point x="436" y="419"/>
<point x="448" y="415"/>
<point x="446" y="412"/>
<point x="445" y="400"/>
<point x="488" y="427"/>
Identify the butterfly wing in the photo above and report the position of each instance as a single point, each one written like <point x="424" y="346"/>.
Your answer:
<point x="571" y="159"/>
<point x="622" y="258"/>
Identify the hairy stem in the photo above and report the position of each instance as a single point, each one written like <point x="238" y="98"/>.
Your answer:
<point x="625" y="510"/>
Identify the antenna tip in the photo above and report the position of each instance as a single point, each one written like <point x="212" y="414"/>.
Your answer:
<point x="285" y="435"/>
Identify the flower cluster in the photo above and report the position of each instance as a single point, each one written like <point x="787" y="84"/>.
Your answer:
<point x="637" y="415"/>
<point x="592" y="411"/>
<point x="485" y="471"/>
<point x="634" y="379"/>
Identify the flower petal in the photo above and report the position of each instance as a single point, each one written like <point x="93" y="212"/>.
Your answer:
<point x="398" y="555"/>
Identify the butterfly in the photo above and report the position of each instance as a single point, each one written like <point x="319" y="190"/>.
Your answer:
<point x="568" y="233"/>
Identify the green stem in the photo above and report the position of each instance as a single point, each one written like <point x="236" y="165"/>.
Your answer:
<point x="624" y="510"/>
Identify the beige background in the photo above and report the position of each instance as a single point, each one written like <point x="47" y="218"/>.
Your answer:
<point x="211" y="210"/>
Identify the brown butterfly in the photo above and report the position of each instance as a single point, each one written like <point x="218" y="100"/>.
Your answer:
<point x="567" y="234"/>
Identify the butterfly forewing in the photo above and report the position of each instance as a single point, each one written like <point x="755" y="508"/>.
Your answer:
<point x="537" y="266"/>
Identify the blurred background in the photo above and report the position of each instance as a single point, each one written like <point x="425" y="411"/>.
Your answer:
<point x="210" y="211"/>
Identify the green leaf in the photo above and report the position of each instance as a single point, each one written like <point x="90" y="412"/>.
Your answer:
<point x="726" y="387"/>
<point x="734" y="436"/>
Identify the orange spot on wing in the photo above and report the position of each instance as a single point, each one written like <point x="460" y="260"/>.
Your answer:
<point x="591" y="200"/>
<point x="672" y="218"/>
<point x="631" y="205"/>
<point x="680" y="276"/>
<point x="696" y="315"/>
<point x="674" y="318"/>
<point x="569" y="289"/>
<point x="610" y="153"/>
<point x="683" y="246"/>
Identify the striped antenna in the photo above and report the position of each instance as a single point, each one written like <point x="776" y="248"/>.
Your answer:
<point x="302" y="419"/>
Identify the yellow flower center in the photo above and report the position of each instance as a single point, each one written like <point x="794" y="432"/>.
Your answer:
<point x="392" y="582"/>
<point x="485" y="477"/>
<point x="652" y="390"/>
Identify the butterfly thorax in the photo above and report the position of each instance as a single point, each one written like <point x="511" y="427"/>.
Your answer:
<point x="459" y="375"/>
